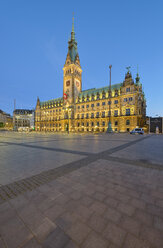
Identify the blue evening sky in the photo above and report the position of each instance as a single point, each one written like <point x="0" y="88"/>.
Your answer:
<point x="33" y="47"/>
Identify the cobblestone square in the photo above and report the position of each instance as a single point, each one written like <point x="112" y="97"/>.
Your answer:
<point x="81" y="191"/>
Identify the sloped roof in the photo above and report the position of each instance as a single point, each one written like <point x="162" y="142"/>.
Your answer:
<point x="53" y="101"/>
<point x="99" y="90"/>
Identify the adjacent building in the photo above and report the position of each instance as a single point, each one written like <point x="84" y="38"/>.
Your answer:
<point x="6" y="120"/>
<point x="23" y="118"/>
<point x="91" y="110"/>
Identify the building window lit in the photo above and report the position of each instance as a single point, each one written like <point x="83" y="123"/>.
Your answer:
<point x="127" y="111"/>
<point x="97" y="114"/>
<point x="115" y="112"/>
<point x="127" y="122"/>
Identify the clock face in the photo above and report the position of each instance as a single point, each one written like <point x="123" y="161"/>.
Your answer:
<point x="68" y="83"/>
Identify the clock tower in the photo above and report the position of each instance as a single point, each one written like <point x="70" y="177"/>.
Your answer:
<point x="72" y="73"/>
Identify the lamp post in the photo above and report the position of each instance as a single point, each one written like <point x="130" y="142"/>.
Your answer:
<point x="68" y="110"/>
<point x="109" y="129"/>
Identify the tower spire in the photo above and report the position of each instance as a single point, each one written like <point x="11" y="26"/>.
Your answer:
<point x="73" y="32"/>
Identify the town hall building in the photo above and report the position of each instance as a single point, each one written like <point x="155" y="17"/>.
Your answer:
<point x="123" y="105"/>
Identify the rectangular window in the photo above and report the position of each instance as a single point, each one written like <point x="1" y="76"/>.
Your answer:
<point x="82" y="106"/>
<point x="98" y="104"/>
<point x="92" y="105"/>
<point x="98" y="124"/>
<point x="109" y="102"/>
<point x="116" y="102"/>
<point x="103" y="123"/>
<point x="103" y="114"/>
<point x="87" y="124"/>
<point x="103" y="103"/>
<point x="116" y="123"/>
<point x="87" y="116"/>
<point x="109" y="113"/>
<point x="82" y="116"/>
<point x="97" y="114"/>
<point x="92" y="124"/>
<point x="115" y="112"/>
<point x="130" y="99"/>
<point x="127" y="89"/>
<point x="78" y="107"/>
<point x="125" y="99"/>
<point x="87" y="106"/>
<point x="127" y="122"/>
<point x="92" y="115"/>
<point x="127" y="111"/>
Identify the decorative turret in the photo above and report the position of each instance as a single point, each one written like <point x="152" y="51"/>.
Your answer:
<point x="137" y="78"/>
<point x="38" y="102"/>
<point x="128" y="77"/>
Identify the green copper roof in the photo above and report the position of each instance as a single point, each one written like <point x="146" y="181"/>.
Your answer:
<point x="99" y="90"/>
<point x="72" y="45"/>
<point x="53" y="101"/>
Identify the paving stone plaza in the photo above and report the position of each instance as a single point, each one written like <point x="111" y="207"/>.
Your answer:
<point x="81" y="191"/>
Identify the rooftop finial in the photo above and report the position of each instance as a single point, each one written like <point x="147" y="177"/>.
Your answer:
<point x="128" y="68"/>
<point x="137" y="76"/>
<point x="72" y="21"/>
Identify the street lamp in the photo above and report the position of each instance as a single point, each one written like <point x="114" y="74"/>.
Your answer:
<point x="68" y="110"/>
<point x="109" y="129"/>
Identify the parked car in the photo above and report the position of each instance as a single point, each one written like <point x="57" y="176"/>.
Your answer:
<point x="137" y="131"/>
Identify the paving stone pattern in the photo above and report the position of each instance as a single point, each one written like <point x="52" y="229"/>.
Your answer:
<point x="100" y="204"/>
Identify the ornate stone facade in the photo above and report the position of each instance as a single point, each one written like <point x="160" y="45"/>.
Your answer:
<point x="88" y="110"/>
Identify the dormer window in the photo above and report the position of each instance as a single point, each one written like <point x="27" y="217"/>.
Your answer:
<point x="98" y="96"/>
<point x="116" y="92"/>
<point x="103" y="95"/>
<point x="93" y="97"/>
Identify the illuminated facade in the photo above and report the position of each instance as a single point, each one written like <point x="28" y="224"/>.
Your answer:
<point x="90" y="110"/>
